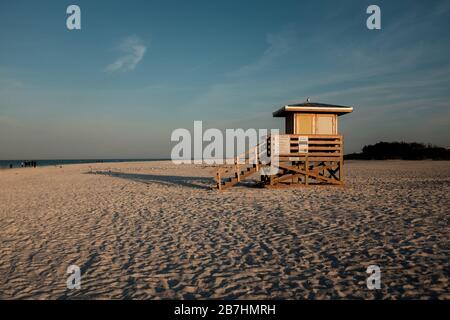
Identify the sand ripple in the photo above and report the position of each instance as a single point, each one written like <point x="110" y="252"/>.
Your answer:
<point x="157" y="231"/>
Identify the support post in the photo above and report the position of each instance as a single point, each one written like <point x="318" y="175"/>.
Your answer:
<point x="236" y="169"/>
<point x="219" y="180"/>
<point x="341" y="163"/>
<point x="257" y="157"/>
<point x="307" y="170"/>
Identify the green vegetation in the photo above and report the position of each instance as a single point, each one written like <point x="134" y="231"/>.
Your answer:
<point x="400" y="150"/>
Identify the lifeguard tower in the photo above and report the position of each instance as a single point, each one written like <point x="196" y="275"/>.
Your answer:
<point x="310" y="151"/>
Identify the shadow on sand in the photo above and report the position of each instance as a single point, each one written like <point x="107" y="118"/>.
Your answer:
<point x="203" y="183"/>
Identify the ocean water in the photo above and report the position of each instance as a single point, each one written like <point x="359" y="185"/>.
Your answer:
<point x="4" y="164"/>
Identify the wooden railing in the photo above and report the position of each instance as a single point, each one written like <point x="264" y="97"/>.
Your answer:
<point x="233" y="167"/>
<point x="293" y="147"/>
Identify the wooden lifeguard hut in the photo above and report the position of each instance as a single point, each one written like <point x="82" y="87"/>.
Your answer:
<point x="309" y="152"/>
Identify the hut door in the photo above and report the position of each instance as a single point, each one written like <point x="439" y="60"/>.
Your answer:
<point x="325" y="124"/>
<point x="304" y="124"/>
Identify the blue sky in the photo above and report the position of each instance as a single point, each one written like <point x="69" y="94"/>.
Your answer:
<point x="139" y="69"/>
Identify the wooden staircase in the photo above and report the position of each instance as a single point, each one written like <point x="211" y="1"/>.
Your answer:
<point x="238" y="177"/>
<point x="245" y="165"/>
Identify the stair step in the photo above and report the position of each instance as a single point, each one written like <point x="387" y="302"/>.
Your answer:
<point x="231" y="181"/>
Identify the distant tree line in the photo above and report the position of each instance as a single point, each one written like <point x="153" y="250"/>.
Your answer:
<point x="401" y="151"/>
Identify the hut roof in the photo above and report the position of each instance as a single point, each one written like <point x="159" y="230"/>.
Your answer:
<point x="312" y="107"/>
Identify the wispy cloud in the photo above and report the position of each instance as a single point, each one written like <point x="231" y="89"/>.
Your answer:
<point x="279" y="44"/>
<point x="8" y="80"/>
<point x="133" y="51"/>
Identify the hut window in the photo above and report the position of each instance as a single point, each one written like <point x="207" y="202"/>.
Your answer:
<point x="325" y="124"/>
<point x="304" y="124"/>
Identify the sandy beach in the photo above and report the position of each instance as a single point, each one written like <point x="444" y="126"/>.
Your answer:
<point x="155" y="230"/>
